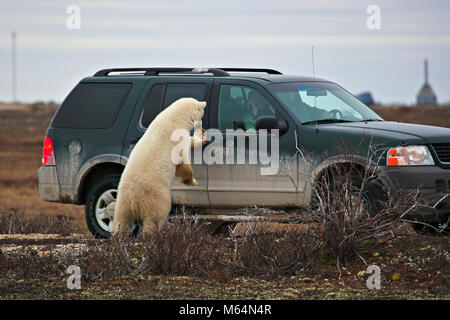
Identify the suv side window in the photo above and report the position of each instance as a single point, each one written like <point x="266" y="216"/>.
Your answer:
<point x="239" y="107"/>
<point x="163" y="95"/>
<point x="92" y="105"/>
<point x="175" y="91"/>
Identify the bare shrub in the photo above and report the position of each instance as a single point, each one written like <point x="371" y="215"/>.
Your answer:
<point x="354" y="210"/>
<point x="109" y="259"/>
<point x="180" y="248"/>
<point x="12" y="222"/>
<point x="106" y="260"/>
<point x="271" y="255"/>
<point x="353" y="205"/>
<point x="183" y="247"/>
<point x="29" y="264"/>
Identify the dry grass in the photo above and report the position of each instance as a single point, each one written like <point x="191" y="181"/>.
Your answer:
<point x="22" y="132"/>
<point x="428" y="115"/>
<point x="183" y="260"/>
<point x="181" y="248"/>
<point x="13" y="222"/>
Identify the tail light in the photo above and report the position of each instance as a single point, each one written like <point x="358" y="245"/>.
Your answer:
<point x="48" y="154"/>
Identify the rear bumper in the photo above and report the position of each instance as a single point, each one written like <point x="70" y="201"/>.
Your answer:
<point x="48" y="184"/>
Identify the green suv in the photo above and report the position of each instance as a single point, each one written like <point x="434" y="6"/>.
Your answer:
<point x="93" y="132"/>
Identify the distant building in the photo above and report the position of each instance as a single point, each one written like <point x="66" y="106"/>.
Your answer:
<point x="426" y="94"/>
<point x="366" y="98"/>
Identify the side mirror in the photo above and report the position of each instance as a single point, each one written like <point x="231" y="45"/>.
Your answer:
<point x="270" y="123"/>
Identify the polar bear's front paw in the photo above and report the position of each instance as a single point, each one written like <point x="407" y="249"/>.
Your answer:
<point x="200" y="137"/>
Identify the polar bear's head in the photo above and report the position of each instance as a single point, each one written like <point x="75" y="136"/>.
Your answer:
<point x="188" y="111"/>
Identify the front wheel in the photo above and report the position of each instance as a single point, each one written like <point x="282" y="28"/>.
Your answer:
<point x="340" y="194"/>
<point x="100" y="206"/>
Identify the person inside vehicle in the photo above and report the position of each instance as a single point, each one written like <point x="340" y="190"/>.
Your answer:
<point x="257" y="106"/>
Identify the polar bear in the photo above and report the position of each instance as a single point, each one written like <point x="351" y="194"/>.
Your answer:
<point x="144" y="187"/>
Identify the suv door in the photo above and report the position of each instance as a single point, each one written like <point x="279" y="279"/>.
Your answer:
<point x="157" y="95"/>
<point x="239" y="185"/>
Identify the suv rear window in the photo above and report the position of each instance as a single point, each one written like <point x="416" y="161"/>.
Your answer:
<point x="92" y="105"/>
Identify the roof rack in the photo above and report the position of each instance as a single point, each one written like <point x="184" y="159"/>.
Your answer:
<point x="268" y="71"/>
<point x="105" y="72"/>
<point x="157" y="71"/>
<point x="223" y="72"/>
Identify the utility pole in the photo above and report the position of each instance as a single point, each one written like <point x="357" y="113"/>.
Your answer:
<point x="13" y="65"/>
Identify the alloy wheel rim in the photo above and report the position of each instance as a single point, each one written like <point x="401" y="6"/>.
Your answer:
<point x="105" y="217"/>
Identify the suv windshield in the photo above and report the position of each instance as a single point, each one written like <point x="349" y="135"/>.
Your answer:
<point x="322" y="102"/>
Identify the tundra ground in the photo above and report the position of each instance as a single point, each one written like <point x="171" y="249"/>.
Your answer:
<point x="412" y="267"/>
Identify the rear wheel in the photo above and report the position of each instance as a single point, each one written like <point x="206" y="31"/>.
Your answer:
<point x="100" y="206"/>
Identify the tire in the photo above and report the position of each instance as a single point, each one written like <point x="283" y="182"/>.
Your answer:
<point x="102" y="193"/>
<point x="373" y="195"/>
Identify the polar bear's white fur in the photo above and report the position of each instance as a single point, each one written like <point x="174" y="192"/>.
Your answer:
<point x="144" y="188"/>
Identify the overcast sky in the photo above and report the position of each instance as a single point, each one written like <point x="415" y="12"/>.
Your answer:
<point x="271" y="34"/>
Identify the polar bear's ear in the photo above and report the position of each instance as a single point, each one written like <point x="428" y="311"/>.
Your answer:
<point x="202" y="104"/>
